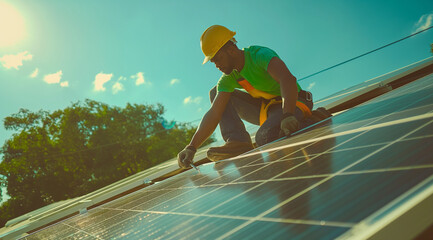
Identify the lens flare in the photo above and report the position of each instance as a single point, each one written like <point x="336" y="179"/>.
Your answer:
<point x="11" y="25"/>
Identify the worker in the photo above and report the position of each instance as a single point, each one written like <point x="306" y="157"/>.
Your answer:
<point x="255" y="86"/>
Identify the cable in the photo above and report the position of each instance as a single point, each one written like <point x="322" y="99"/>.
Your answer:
<point x="389" y="44"/>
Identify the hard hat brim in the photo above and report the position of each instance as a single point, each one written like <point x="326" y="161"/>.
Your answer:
<point x="206" y="59"/>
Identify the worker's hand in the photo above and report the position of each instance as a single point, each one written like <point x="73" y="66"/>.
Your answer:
<point x="289" y="124"/>
<point x="184" y="158"/>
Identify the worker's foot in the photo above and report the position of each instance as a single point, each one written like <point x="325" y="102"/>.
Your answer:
<point x="228" y="150"/>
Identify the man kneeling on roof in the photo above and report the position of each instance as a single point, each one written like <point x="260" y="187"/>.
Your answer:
<point x="272" y="98"/>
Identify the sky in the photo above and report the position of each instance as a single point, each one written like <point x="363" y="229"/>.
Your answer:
<point x="54" y="53"/>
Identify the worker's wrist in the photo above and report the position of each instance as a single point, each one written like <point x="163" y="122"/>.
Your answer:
<point x="191" y="147"/>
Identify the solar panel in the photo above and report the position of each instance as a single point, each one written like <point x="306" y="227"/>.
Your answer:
<point x="376" y="86"/>
<point x="341" y="178"/>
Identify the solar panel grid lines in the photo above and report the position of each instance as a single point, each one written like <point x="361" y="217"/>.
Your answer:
<point x="409" y="100"/>
<point x="361" y="88"/>
<point x="96" y="229"/>
<point x="391" y="143"/>
<point x="385" y="103"/>
<point x="381" y="219"/>
<point x="317" y="184"/>
<point x="228" y="217"/>
<point x="49" y="233"/>
<point x="91" y="221"/>
<point x="352" y="172"/>
<point x="86" y="234"/>
<point x="394" y="157"/>
<point x="382" y="106"/>
<point x="208" y="210"/>
<point x="339" y="134"/>
<point x="355" y="211"/>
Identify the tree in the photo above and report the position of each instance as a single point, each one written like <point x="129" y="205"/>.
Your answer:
<point x="71" y="152"/>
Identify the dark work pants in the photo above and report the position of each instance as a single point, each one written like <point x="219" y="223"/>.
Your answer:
<point x="243" y="106"/>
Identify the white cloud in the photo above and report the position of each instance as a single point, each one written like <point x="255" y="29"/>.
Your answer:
<point x="189" y="100"/>
<point x="64" y="84"/>
<point x="311" y="85"/>
<point x="121" y="78"/>
<point x="117" y="87"/>
<point x="140" y="79"/>
<point x="100" y="79"/>
<point x="15" y="61"/>
<point x="423" y="23"/>
<point x="35" y="73"/>
<point x="53" y="78"/>
<point x="174" y="81"/>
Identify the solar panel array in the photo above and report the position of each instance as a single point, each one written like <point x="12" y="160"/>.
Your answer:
<point x="376" y="83"/>
<point x="319" y="184"/>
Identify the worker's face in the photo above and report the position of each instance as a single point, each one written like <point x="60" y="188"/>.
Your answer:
<point x="223" y="61"/>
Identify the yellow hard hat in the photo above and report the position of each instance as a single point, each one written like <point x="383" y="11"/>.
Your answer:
<point x="213" y="39"/>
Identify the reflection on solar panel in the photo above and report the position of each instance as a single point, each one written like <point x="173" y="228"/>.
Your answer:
<point x="376" y="86"/>
<point x="358" y="175"/>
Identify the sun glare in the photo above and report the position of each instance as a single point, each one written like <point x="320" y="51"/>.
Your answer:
<point x="11" y="25"/>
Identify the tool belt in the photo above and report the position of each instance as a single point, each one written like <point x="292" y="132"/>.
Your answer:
<point x="269" y="99"/>
<point x="302" y="97"/>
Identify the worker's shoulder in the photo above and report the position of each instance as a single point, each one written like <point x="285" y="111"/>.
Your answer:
<point x="260" y="52"/>
<point x="254" y="49"/>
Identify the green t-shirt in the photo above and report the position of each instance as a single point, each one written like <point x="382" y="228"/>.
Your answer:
<point x="255" y="71"/>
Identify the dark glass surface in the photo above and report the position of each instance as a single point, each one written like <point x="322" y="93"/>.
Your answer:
<point x="302" y="187"/>
<point x="213" y="199"/>
<point x="329" y="162"/>
<point x="351" y="198"/>
<point x="268" y="171"/>
<point x="92" y="217"/>
<point x="101" y="225"/>
<point x="383" y="134"/>
<point x="415" y="153"/>
<point x="58" y="231"/>
<point x="427" y="131"/>
<point x="344" y="93"/>
<point x="79" y="236"/>
<point x="278" y="230"/>
<point x="137" y="198"/>
<point x="263" y="197"/>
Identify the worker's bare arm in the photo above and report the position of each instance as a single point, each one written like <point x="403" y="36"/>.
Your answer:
<point x="289" y="90"/>
<point x="211" y="119"/>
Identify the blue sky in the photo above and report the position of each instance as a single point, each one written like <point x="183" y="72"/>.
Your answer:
<point x="146" y="51"/>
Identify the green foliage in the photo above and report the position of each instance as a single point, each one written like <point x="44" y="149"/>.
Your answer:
<point x="71" y="152"/>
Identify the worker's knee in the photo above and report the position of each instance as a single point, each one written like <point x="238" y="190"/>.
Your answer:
<point x="267" y="134"/>
<point x="212" y="94"/>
